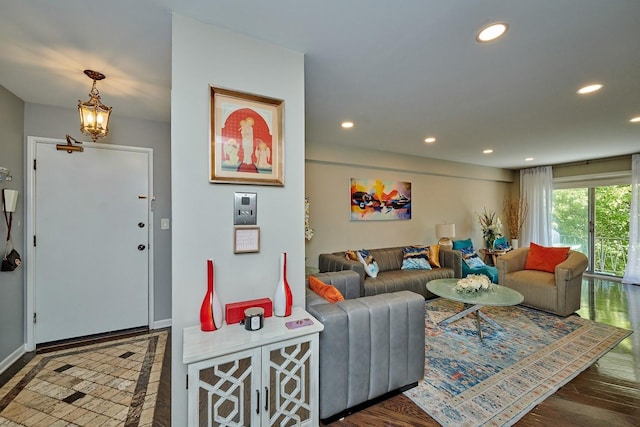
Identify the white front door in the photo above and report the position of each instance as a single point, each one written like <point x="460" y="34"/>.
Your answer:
<point x="91" y="240"/>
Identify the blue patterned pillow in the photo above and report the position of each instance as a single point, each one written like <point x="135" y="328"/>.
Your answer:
<point x="370" y="264"/>
<point x="474" y="261"/>
<point x="471" y="258"/>
<point x="467" y="252"/>
<point x="415" y="258"/>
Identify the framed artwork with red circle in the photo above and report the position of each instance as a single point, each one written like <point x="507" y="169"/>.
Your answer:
<point x="246" y="138"/>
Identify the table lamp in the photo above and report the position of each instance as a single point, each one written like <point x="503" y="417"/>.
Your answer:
<point x="445" y="232"/>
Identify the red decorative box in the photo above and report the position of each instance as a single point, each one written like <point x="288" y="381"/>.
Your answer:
<point x="234" y="312"/>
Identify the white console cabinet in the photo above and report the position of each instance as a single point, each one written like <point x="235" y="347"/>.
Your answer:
<point x="253" y="378"/>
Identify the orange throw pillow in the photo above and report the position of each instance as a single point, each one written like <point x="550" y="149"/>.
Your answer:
<point x="328" y="292"/>
<point x="434" y="253"/>
<point x="543" y="258"/>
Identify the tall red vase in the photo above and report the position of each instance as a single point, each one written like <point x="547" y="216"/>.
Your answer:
<point x="211" y="308"/>
<point x="282" y="297"/>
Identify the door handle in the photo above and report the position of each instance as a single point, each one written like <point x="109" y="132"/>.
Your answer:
<point x="141" y="247"/>
<point x="141" y="224"/>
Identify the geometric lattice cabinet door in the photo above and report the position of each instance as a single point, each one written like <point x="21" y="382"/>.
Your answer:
<point x="289" y="373"/>
<point x="224" y="389"/>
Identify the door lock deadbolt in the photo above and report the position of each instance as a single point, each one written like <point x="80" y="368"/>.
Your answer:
<point x="141" y="247"/>
<point x="141" y="224"/>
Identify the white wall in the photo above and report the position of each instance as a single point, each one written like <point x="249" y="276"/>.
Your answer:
<point x="204" y="55"/>
<point x="441" y="191"/>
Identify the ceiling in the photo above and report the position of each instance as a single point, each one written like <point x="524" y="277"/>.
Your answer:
<point x="400" y="70"/>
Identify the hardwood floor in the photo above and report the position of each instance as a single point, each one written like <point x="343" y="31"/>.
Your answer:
<point x="605" y="394"/>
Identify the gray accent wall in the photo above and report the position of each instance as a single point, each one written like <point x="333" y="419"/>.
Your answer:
<point x="56" y="122"/>
<point x="12" y="293"/>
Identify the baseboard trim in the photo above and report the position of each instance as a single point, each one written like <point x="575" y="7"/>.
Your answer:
<point x="12" y="358"/>
<point x="159" y="324"/>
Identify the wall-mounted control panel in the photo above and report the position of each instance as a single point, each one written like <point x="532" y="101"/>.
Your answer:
<point x="245" y="209"/>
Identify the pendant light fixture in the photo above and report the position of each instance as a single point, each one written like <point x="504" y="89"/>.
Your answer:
<point x="94" y="115"/>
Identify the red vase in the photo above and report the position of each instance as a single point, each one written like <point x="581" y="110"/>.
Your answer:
<point x="282" y="297"/>
<point x="211" y="308"/>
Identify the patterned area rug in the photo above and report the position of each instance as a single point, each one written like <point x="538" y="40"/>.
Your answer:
<point x="471" y="383"/>
<point x="112" y="383"/>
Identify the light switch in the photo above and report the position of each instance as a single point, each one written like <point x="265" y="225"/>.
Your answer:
<point x="164" y="224"/>
<point x="245" y="209"/>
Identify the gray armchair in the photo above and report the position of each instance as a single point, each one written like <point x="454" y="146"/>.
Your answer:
<point x="369" y="346"/>
<point x="557" y="293"/>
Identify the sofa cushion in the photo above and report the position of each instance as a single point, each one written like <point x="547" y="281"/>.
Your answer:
<point x="544" y="258"/>
<point x="415" y="258"/>
<point x="388" y="258"/>
<point x="328" y="292"/>
<point x="410" y="280"/>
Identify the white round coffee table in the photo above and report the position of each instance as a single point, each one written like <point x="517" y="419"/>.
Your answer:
<point x="474" y="301"/>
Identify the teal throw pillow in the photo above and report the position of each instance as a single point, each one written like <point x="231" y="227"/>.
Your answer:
<point x="501" y="244"/>
<point x="462" y="244"/>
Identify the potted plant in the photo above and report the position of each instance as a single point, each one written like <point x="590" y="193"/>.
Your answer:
<point x="515" y="213"/>
<point x="491" y="226"/>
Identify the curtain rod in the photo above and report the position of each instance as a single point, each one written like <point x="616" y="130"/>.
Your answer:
<point x="602" y="159"/>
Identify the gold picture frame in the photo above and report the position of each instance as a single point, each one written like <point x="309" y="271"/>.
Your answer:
<point x="247" y="143"/>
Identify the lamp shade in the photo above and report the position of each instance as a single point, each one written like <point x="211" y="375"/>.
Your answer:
<point x="445" y="230"/>
<point x="9" y="199"/>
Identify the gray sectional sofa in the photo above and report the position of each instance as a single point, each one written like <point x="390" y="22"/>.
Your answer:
<point x="391" y="278"/>
<point x="370" y="345"/>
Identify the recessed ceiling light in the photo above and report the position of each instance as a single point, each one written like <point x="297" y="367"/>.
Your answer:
<point x="487" y="151"/>
<point x="528" y="159"/>
<point x="430" y="140"/>
<point x="347" y="125"/>
<point x="635" y="120"/>
<point x="492" y="32"/>
<point x="590" y="88"/>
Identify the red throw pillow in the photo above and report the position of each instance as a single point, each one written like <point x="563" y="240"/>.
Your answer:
<point x="328" y="292"/>
<point x="545" y="259"/>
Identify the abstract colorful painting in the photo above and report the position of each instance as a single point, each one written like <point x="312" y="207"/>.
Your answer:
<point x="376" y="200"/>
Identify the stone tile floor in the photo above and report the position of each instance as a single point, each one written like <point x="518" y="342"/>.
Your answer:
<point x="108" y="383"/>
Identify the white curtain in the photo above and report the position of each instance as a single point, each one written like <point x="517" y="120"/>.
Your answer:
<point x="632" y="272"/>
<point x="536" y="187"/>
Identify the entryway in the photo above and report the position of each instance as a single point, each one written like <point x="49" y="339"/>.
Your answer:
<point x="89" y="224"/>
